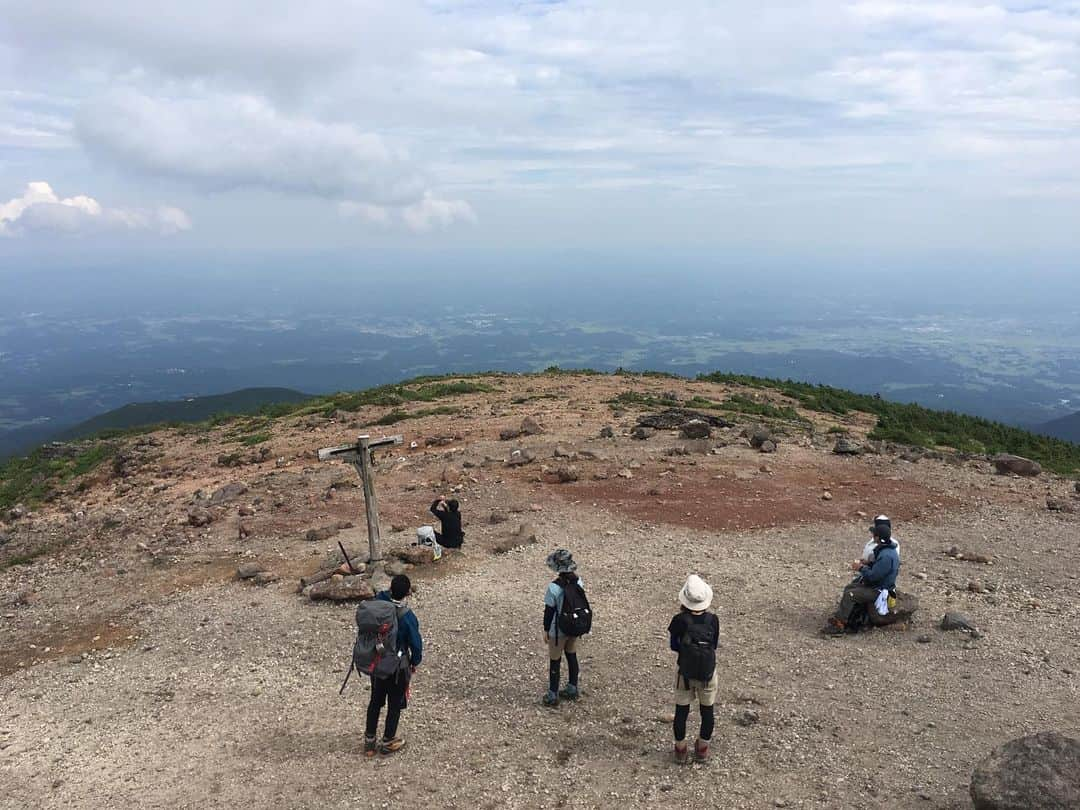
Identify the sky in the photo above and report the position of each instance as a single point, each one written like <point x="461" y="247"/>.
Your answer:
<point x="850" y="130"/>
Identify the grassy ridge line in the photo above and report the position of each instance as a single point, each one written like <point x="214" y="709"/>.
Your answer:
<point x="908" y="423"/>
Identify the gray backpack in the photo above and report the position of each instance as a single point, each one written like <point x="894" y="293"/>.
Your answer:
<point x="376" y="652"/>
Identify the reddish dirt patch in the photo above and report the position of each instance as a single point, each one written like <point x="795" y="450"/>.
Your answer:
<point x="697" y="498"/>
<point x="74" y="639"/>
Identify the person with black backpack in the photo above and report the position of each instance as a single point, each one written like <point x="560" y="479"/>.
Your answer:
<point x="567" y="617"/>
<point x="388" y="649"/>
<point x="695" y="634"/>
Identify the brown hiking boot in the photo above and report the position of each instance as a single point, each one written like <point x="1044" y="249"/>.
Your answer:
<point x="370" y="746"/>
<point x="682" y="753"/>
<point x="701" y="750"/>
<point x="834" y="627"/>
<point x="389" y="747"/>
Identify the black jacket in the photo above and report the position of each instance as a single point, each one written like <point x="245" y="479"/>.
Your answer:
<point x="452" y="535"/>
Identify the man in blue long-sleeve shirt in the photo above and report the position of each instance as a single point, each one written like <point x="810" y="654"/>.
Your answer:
<point x="393" y="692"/>
<point x="874" y="577"/>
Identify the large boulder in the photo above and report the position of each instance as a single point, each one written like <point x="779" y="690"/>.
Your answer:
<point x="1039" y="772"/>
<point x="341" y="589"/>
<point x="759" y="436"/>
<point x="530" y="427"/>
<point x="200" y="517"/>
<point x="1006" y="463"/>
<point x="903" y="610"/>
<point x="695" y="429"/>
<point x="416" y="555"/>
<point x="228" y="492"/>
<point x="846" y="447"/>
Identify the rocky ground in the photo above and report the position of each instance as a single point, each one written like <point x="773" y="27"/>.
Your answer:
<point x="137" y="671"/>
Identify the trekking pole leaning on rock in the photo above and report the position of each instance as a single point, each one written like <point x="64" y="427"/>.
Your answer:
<point x="360" y="456"/>
<point x="348" y="562"/>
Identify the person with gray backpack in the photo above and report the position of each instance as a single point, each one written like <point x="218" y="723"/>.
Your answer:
<point x="388" y="649"/>
<point x="695" y="634"/>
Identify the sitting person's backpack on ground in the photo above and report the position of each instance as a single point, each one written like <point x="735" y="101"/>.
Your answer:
<point x="575" y="619"/>
<point x="376" y="652"/>
<point x="697" y="649"/>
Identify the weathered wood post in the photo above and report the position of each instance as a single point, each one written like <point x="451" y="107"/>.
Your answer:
<point x="360" y="456"/>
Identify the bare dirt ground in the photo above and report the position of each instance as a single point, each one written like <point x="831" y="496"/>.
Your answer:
<point x="135" y="671"/>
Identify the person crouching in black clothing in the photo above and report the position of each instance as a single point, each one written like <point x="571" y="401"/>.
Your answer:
<point x="447" y="512"/>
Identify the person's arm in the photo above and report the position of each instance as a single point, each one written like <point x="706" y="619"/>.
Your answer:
<point x="875" y="574"/>
<point x="549" y="618"/>
<point x="435" y="508"/>
<point x="415" y="641"/>
<point x="674" y="633"/>
<point x="716" y="631"/>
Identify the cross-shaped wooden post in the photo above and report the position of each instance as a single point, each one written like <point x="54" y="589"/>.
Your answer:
<point x="360" y="456"/>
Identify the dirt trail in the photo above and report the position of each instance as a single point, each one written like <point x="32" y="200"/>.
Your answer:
<point x="199" y="691"/>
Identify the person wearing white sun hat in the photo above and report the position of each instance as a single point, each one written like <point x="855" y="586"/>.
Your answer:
<point x="694" y="634"/>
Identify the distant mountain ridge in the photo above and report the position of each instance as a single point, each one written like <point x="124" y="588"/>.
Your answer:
<point x="195" y="409"/>
<point x="1065" y="427"/>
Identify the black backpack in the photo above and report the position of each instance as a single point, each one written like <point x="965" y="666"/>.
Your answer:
<point x="697" y="655"/>
<point x="576" y="617"/>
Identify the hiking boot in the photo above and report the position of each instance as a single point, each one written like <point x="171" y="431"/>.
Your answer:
<point x="682" y="753"/>
<point x="370" y="746"/>
<point x="392" y="746"/>
<point x="834" y="627"/>
<point x="570" y="692"/>
<point x="701" y="750"/>
<point x="550" y="698"/>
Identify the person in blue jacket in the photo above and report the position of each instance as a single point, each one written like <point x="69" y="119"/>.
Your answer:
<point x="874" y="577"/>
<point x="394" y="692"/>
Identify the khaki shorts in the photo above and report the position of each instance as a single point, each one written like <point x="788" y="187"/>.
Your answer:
<point x="704" y="694"/>
<point x="563" y="644"/>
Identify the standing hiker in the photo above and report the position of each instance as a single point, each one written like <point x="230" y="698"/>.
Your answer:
<point x="695" y="634"/>
<point x="449" y="516"/>
<point x="873" y="587"/>
<point x="567" y="617"/>
<point x="389" y="649"/>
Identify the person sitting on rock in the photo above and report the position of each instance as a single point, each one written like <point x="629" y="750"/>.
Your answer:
<point x="447" y="512"/>
<point x="875" y="581"/>
<point x="426" y="536"/>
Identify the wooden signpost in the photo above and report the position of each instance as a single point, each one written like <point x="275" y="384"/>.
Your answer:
<point x="360" y="455"/>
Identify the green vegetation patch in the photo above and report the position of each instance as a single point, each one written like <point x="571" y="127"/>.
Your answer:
<point x="915" y="425"/>
<point x="395" y="416"/>
<point x="34" y="478"/>
<point x="737" y="403"/>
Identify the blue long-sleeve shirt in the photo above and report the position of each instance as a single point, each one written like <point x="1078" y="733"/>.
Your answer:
<point x="882" y="572"/>
<point x="408" y="633"/>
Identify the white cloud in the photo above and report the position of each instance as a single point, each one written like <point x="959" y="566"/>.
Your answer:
<point x="429" y="213"/>
<point x="40" y="209"/>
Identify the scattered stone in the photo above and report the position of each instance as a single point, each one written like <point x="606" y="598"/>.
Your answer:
<point x="530" y="427"/>
<point x="624" y="473"/>
<point x="957" y="621"/>
<point x="249" y="570"/>
<point x="524" y="536"/>
<point x="519" y="458"/>
<point x="452" y="475"/>
<point x="1006" y="463"/>
<point x="341" y="588"/>
<point x="641" y="433"/>
<point x="245" y="511"/>
<point x="826" y="495"/>
<point x="759" y="436"/>
<point x="200" y="517"/>
<point x="768" y="447"/>
<point x="393" y="568"/>
<point x="975" y="586"/>
<point x="228" y="492"/>
<point x="847" y="447"/>
<point x="607" y="432"/>
<point x="747" y="717"/>
<point x="265" y="578"/>
<point x="17" y="512"/>
<point x="924" y="639"/>
<point x="567" y="473"/>
<point x="497" y="517"/>
<point x="1038" y="772"/>
<point x="675" y="418"/>
<point x="438" y="441"/>
<point x="562" y="452"/>
<point x="325" y="532"/>
<point x="695" y="429"/>
<point x="1055" y="505"/>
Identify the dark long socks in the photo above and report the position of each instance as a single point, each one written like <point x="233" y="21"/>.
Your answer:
<point x="681" y="713"/>
<point x="707" y="720"/>
<point x="572" y="664"/>
<point x="553" y="674"/>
